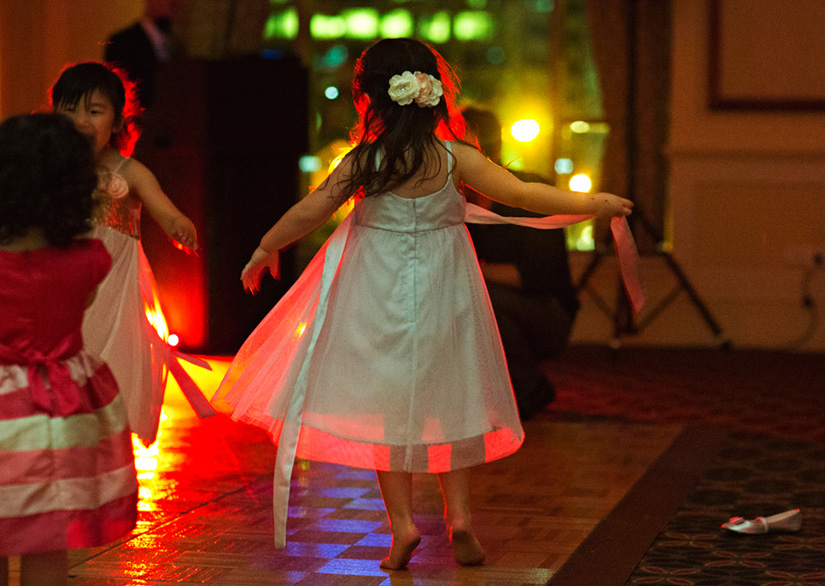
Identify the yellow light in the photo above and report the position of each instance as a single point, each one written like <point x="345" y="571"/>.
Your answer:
<point x="579" y="126"/>
<point x="144" y="451"/>
<point x="525" y="130"/>
<point x="299" y="331"/>
<point x="580" y="182"/>
<point x="146" y="464"/>
<point x="340" y="157"/>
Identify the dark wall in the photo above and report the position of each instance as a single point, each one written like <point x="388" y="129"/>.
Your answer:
<point x="224" y="139"/>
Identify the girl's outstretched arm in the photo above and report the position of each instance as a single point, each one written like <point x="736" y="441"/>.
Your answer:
<point x="489" y="179"/>
<point x="304" y="217"/>
<point x="143" y="183"/>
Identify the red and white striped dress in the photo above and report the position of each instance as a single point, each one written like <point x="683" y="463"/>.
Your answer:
<point x="67" y="474"/>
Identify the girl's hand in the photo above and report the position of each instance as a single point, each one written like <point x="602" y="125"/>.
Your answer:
<point x="254" y="269"/>
<point x="609" y="205"/>
<point x="182" y="231"/>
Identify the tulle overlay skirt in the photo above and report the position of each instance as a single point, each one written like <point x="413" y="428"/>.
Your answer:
<point x="117" y="328"/>
<point x="385" y="354"/>
<point x="67" y="474"/>
<point x="380" y="361"/>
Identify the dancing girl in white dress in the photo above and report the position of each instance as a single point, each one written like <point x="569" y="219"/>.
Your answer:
<point x="385" y="353"/>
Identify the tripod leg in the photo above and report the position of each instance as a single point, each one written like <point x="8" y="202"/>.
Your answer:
<point x="588" y="271"/>
<point x="721" y="339"/>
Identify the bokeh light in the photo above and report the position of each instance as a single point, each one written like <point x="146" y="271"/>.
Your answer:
<point x="581" y="182"/>
<point x="525" y="130"/>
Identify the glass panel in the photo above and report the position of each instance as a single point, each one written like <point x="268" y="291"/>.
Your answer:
<point x="502" y="52"/>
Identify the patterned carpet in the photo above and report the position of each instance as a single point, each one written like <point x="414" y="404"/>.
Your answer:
<point x="772" y="459"/>
<point x="751" y="476"/>
<point x="770" y="393"/>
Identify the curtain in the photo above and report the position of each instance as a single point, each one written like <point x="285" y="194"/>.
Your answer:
<point x="631" y="46"/>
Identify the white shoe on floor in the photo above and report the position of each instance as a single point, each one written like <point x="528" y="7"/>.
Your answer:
<point x="787" y="522"/>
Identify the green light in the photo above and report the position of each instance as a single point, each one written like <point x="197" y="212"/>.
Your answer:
<point x="473" y="26"/>
<point x="282" y="25"/>
<point x="398" y="23"/>
<point x="309" y="164"/>
<point x="324" y="26"/>
<point x="336" y="56"/>
<point x="362" y="23"/>
<point x="585" y="240"/>
<point x="563" y="166"/>
<point x="436" y="28"/>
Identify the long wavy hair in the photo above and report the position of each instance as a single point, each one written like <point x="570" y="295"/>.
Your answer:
<point x="402" y="135"/>
<point x="47" y="177"/>
<point x="78" y="81"/>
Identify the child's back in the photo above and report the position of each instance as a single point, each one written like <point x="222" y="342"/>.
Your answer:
<point x="66" y="466"/>
<point x="47" y="382"/>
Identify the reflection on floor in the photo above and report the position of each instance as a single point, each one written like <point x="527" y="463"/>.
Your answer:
<point x="205" y="509"/>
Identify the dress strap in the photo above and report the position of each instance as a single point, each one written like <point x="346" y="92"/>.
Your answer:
<point x="451" y="162"/>
<point x="120" y="165"/>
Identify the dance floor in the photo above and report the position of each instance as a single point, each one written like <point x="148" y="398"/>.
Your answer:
<point x="580" y="503"/>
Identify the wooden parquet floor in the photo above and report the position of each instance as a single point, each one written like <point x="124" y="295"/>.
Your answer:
<point x="206" y="518"/>
<point x="600" y="476"/>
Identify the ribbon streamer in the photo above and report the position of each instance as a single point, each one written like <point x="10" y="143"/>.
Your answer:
<point x="624" y="245"/>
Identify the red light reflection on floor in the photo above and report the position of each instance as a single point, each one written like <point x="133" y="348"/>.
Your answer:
<point x="161" y="465"/>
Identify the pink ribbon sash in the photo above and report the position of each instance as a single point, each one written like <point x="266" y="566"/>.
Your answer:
<point x="61" y="395"/>
<point x="623" y="243"/>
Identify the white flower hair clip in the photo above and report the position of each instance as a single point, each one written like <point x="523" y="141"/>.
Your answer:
<point x="421" y="88"/>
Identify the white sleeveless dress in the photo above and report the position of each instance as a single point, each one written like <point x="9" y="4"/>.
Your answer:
<point x="385" y="354"/>
<point x="117" y="326"/>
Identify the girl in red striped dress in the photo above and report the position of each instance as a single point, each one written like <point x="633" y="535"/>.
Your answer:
<point x="67" y="473"/>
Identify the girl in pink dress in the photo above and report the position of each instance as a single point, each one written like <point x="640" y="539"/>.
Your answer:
<point x="67" y="473"/>
<point x="385" y="353"/>
<point x="103" y="107"/>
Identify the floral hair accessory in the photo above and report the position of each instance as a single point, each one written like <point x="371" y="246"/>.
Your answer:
<point x="421" y="88"/>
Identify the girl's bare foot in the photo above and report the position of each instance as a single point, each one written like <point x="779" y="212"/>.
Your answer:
<point x="466" y="548"/>
<point x="401" y="550"/>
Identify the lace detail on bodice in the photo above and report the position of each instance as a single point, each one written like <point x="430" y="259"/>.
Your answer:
<point x="114" y="207"/>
